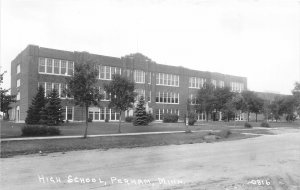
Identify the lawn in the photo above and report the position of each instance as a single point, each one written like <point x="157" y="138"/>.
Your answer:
<point x="9" y="129"/>
<point x="11" y="148"/>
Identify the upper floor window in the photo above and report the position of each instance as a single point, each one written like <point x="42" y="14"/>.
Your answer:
<point x="193" y="99"/>
<point x="214" y="82"/>
<point x="18" y="95"/>
<point x="149" y="77"/>
<point x="221" y="84"/>
<point x="106" y="72"/>
<point x="18" y="68"/>
<point x="167" y="79"/>
<point x="55" y="66"/>
<point x="236" y="86"/>
<point x="195" y="82"/>
<point x="139" y="76"/>
<point x="18" y="82"/>
<point x="140" y="93"/>
<point x="167" y="97"/>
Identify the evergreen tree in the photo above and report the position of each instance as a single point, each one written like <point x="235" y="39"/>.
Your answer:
<point x="53" y="109"/>
<point x="38" y="102"/>
<point x="140" y="113"/>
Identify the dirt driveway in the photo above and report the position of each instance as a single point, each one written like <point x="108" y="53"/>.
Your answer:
<point x="265" y="162"/>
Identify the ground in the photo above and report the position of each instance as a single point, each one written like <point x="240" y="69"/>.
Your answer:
<point x="264" y="162"/>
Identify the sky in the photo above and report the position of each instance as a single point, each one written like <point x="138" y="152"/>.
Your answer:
<point x="257" y="39"/>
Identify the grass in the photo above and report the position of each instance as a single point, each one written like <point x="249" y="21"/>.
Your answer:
<point x="10" y="129"/>
<point x="12" y="148"/>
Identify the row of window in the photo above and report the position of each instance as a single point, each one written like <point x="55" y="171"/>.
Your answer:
<point x="195" y="82"/>
<point x="167" y="79"/>
<point x="68" y="113"/>
<point x="59" y="87"/>
<point x="100" y="114"/>
<point x="106" y="72"/>
<point x="236" y="87"/>
<point x="167" y="97"/>
<point x="55" y="66"/>
<point x="159" y="113"/>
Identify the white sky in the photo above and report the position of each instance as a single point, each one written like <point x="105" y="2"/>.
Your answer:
<point x="257" y="39"/>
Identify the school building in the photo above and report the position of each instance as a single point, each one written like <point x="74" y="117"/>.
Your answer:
<point x="166" y="88"/>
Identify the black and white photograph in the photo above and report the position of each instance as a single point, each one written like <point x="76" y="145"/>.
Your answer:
<point x="150" y="94"/>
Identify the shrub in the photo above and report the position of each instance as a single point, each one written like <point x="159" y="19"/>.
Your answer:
<point x="90" y="120"/>
<point x="129" y="119"/>
<point x="106" y="120"/>
<point x="150" y="117"/>
<point x="170" y="118"/>
<point x="265" y="124"/>
<point x="39" y="130"/>
<point x="192" y="118"/>
<point x="290" y="117"/>
<point x="247" y="125"/>
<point x="223" y="133"/>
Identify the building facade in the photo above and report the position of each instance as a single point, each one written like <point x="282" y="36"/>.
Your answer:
<point x="166" y="88"/>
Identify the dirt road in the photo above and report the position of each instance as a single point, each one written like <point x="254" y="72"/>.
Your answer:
<point x="266" y="162"/>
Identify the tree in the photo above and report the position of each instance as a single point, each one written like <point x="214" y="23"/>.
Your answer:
<point x="223" y="100"/>
<point x="275" y="108"/>
<point x="205" y="99"/>
<point x="53" y="109"/>
<point x="5" y="99"/>
<point x="38" y="102"/>
<point x="82" y="87"/>
<point x="296" y="94"/>
<point x="122" y="94"/>
<point x="288" y="107"/>
<point x="252" y="103"/>
<point x="140" y="113"/>
<point x="256" y="105"/>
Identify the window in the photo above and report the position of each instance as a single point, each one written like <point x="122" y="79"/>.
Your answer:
<point x="63" y="88"/>
<point x="63" y="67"/>
<point x="42" y="84"/>
<point x="97" y="115"/>
<point x="70" y="67"/>
<point x="149" y="77"/>
<point x="102" y="72"/>
<point x="102" y="113"/>
<point x="140" y="93"/>
<point x="221" y="84"/>
<point x="48" y="88"/>
<point x="167" y="97"/>
<point x="49" y="65"/>
<point x="56" y="87"/>
<point x="139" y="76"/>
<point x="42" y="66"/>
<point x="18" y="68"/>
<point x="18" y="82"/>
<point x="69" y="113"/>
<point x="214" y="82"/>
<point x="18" y="95"/>
<point x="56" y="66"/>
<point x="91" y="115"/>
<point x="106" y="72"/>
<point x="195" y="82"/>
<point x="167" y="79"/>
<point x="192" y="99"/>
